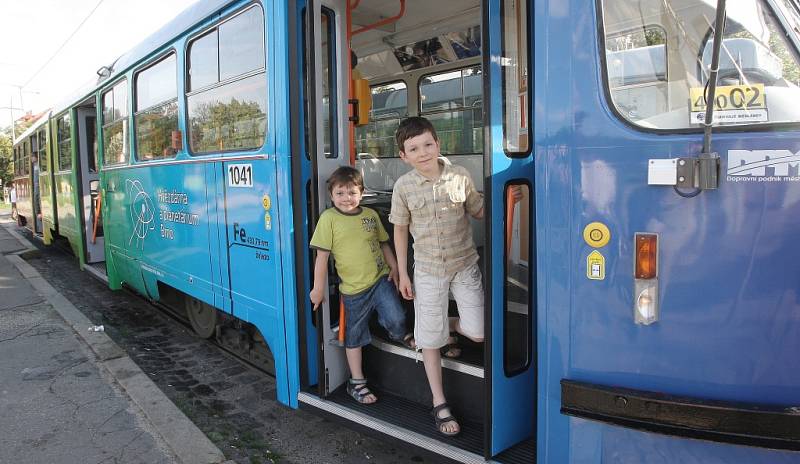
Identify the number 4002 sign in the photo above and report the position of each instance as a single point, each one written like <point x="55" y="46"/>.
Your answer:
<point x="240" y="175"/>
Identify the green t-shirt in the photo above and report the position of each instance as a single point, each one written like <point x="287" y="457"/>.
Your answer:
<point x="355" y="242"/>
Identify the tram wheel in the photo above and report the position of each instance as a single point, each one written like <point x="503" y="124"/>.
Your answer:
<point x="202" y="316"/>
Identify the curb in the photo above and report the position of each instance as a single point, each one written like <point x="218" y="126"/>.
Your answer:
<point x="187" y="442"/>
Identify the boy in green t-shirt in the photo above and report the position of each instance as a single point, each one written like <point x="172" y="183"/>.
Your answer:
<point x="367" y="270"/>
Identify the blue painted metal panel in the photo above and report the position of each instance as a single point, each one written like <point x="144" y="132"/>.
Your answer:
<point x="730" y="324"/>
<point x="512" y="397"/>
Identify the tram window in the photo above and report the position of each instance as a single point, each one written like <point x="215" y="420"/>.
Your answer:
<point x="157" y="110"/>
<point x="64" y="138"/>
<point x="203" y="61"/>
<point x="241" y="44"/>
<point x="115" y="124"/>
<point x="42" y="150"/>
<point x="227" y="99"/>
<point x="516" y="106"/>
<point x="452" y="101"/>
<point x="389" y="107"/>
<point x="327" y="56"/>
<point x="518" y="314"/>
<point x="26" y="164"/>
<point x="658" y="60"/>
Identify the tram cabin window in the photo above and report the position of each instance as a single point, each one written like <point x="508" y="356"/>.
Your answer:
<point x="658" y="59"/>
<point x="227" y="88"/>
<point x="115" y="124"/>
<point x="64" y="138"/>
<point x="156" y="116"/>
<point x="452" y="102"/>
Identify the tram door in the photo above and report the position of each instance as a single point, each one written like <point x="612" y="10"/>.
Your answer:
<point x="512" y="236"/>
<point x="90" y="184"/>
<point x="329" y="149"/>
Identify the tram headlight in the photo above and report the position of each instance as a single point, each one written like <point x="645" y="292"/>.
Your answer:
<point x="646" y="302"/>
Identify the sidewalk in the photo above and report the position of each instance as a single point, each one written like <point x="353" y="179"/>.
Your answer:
<point x="70" y="395"/>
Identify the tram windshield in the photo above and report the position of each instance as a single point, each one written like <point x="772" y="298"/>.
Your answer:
<point x="658" y="57"/>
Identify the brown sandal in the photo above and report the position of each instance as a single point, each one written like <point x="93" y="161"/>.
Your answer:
<point x="440" y="421"/>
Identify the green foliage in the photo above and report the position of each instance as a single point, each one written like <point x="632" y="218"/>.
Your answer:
<point x="6" y="160"/>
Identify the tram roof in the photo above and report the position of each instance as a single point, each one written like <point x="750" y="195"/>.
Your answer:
<point x="195" y="13"/>
<point x="43" y="118"/>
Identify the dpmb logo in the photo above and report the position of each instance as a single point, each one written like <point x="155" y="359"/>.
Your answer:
<point x="763" y="166"/>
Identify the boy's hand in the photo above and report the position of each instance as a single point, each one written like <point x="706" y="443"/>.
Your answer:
<point x="394" y="276"/>
<point x="316" y="297"/>
<point x="406" y="291"/>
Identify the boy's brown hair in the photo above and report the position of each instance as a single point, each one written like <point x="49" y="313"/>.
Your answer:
<point x="345" y="175"/>
<point x="412" y="127"/>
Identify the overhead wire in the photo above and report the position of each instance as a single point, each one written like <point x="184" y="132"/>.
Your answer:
<point x="63" y="44"/>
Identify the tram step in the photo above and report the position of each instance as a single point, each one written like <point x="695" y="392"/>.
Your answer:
<point x="399" y="372"/>
<point x="403" y="420"/>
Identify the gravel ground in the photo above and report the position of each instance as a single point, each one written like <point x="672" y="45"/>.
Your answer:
<point x="231" y="402"/>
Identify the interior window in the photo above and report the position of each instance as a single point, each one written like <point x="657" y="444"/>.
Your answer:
<point x="658" y="59"/>
<point x="452" y="101"/>
<point x="227" y="99"/>
<point x="115" y="124"/>
<point x="64" y="138"/>
<point x="156" y="116"/>
<point x="389" y="107"/>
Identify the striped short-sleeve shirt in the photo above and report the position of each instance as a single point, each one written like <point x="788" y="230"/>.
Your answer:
<point x="436" y="213"/>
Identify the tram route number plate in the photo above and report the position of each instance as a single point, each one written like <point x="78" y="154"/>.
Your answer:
<point x="240" y="175"/>
<point x="732" y="104"/>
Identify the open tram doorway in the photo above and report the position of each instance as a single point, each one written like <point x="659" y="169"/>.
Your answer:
<point x="369" y="65"/>
<point x="88" y="180"/>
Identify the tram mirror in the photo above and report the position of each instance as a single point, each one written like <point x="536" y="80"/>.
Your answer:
<point x="177" y="140"/>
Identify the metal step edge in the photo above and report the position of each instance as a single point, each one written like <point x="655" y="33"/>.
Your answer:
<point x="392" y="430"/>
<point x="469" y="369"/>
<point x="96" y="273"/>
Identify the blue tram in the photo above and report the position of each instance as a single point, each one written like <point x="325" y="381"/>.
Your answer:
<point x="642" y="301"/>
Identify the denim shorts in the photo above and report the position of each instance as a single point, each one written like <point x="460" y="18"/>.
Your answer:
<point x="381" y="297"/>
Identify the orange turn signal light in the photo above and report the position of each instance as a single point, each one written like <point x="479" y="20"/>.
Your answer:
<point x="646" y="256"/>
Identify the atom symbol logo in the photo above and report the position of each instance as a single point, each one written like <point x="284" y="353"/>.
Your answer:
<point x="141" y="211"/>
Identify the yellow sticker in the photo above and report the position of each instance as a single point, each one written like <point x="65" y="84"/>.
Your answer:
<point x="595" y="266"/>
<point x="596" y="234"/>
<point x="266" y="202"/>
<point x="267" y="221"/>
<point x="730" y="97"/>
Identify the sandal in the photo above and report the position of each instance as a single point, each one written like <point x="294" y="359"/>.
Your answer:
<point x="358" y="390"/>
<point x="451" y="350"/>
<point x="408" y="342"/>
<point x="440" y="421"/>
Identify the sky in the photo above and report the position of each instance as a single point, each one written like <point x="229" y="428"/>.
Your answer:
<point x="92" y="33"/>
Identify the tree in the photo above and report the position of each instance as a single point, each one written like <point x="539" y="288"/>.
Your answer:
<point x="6" y="161"/>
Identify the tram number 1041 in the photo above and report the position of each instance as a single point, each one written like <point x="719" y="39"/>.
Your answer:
<point x="240" y="175"/>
